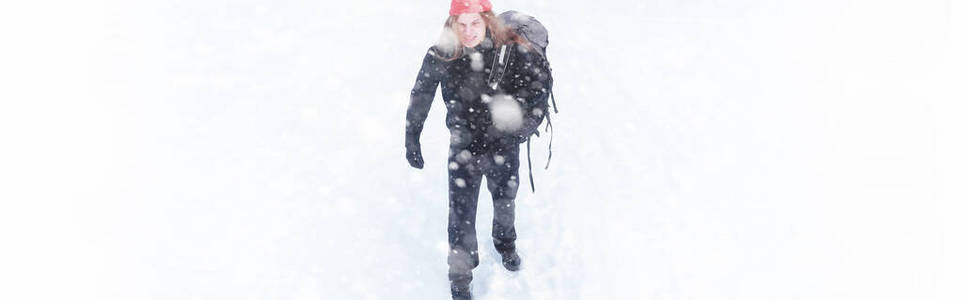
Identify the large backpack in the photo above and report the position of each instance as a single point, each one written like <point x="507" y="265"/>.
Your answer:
<point x="533" y="31"/>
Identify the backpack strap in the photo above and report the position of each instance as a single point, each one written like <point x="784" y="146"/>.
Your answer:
<point x="500" y="66"/>
<point x="531" y="179"/>
<point x="548" y="117"/>
<point x="554" y="106"/>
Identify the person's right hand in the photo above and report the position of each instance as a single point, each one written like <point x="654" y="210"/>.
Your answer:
<point x="414" y="157"/>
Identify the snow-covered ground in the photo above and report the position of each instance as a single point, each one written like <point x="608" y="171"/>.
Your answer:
<point x="704" y="150"/>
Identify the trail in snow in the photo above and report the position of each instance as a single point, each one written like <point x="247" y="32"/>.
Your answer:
<point x="704" y="150"/>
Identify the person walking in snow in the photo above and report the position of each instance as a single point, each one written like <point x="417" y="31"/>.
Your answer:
<point x="495" y="89"/>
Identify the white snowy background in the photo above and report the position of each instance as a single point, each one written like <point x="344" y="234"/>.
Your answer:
<point x="703" y="150"/>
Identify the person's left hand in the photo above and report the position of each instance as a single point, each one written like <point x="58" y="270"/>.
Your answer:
<point x="414" y="157"/>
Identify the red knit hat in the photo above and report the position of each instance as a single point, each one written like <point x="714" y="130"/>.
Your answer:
<point x="469" y="6"/>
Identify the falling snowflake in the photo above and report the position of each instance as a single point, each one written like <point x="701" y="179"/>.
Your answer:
<point x="506" y="113"/>
<point x="477" y="63"/>
<point x="464" y="156"/>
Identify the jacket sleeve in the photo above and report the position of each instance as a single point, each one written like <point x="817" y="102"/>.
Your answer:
<point x="422" y="94"/>
<point x="534" y="81"/>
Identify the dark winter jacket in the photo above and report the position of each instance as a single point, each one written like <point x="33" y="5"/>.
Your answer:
<point x="527" y="78"/>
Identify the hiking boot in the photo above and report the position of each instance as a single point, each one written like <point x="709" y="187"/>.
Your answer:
<point x="460" y="290"/>
<point x="511" y="261"/>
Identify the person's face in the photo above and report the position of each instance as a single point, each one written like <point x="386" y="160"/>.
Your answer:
<point x="471" y="29"/>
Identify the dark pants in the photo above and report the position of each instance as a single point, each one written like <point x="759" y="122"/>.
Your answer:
<point x="465" y="170"/>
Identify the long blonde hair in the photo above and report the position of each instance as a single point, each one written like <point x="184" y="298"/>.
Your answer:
<point x="501" y="34"/>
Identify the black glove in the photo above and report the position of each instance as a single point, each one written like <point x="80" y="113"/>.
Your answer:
<point x="413" y="154"/>
<point x="413" y="151"/>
